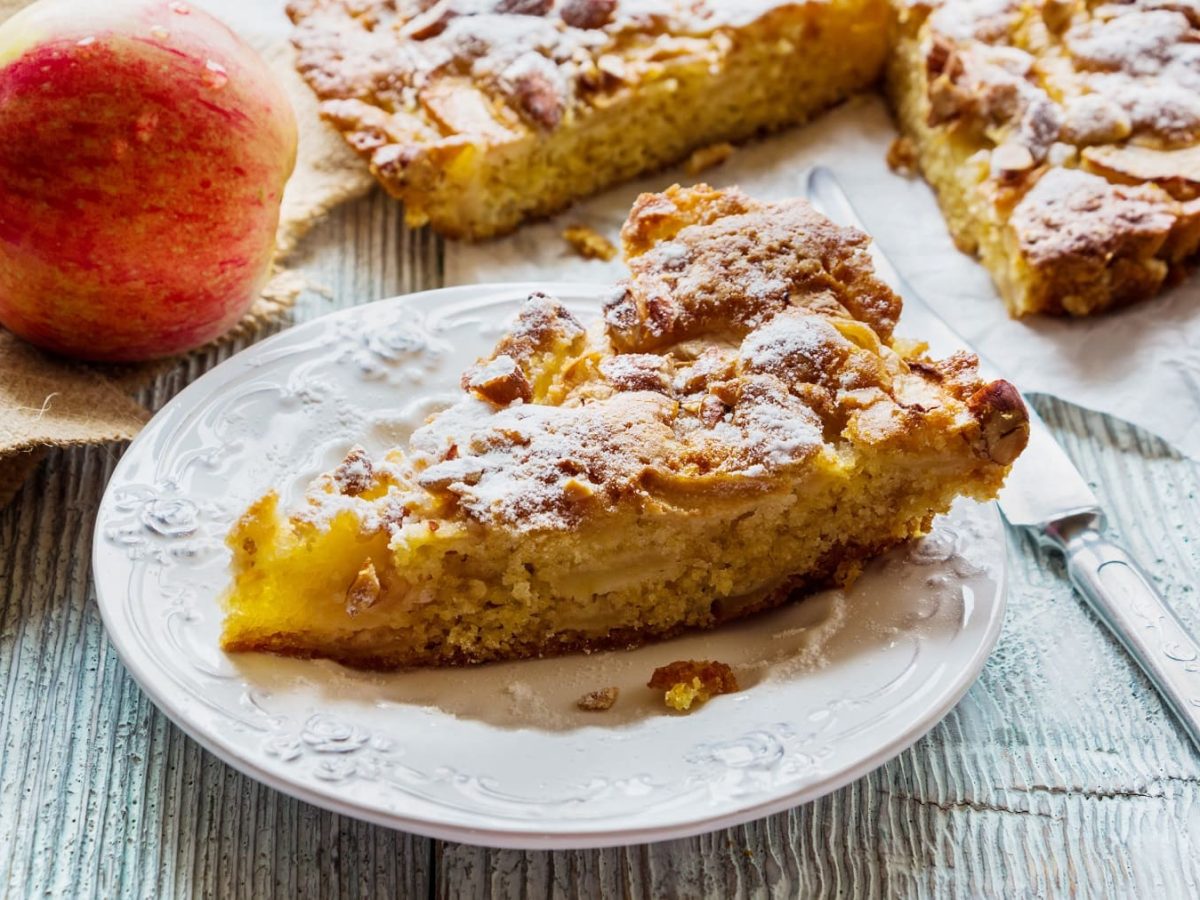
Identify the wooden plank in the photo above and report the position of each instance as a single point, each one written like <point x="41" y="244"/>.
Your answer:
<point x="1060" y="770"/>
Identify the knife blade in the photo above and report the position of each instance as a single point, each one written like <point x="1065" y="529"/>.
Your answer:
<point x="1045" y="493"/>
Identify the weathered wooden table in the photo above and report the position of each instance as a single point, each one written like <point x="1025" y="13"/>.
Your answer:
<point x="1060" y="772"/>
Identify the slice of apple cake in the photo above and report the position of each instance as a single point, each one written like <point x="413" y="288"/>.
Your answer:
<point x="1062" y="138"/>
<point x="737" y="427"/>
<point x="479" y="114"/>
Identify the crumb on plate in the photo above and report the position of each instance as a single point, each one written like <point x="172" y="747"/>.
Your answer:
<point x="847" y="572"/>
<point x="708" y="157"/>
<point x="688" y="681"/>
<point x="598" y="701"/>
<point x="589" y="243"/>
<point x="902" y="156"/>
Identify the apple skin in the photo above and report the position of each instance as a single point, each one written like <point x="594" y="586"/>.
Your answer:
<point x="144" y="149"/>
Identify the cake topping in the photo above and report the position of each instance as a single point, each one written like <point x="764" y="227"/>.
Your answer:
<point x="532" y="459"/>
<point x="991" y="88"/>
<point x="1118" y="70"/>
<point x="637" y="372"/>
<point x="743" y="346"/>
<point x="1139" y="42"/>
<point x="797" y="346"/>
<point x="1073" y="213"/>
<point x="1095" y="119"/>
<point x="535" y="85"/>
<point x="1175" y="171"/>
<point x="542" y="325"/>
<point x="1006" y="424"/>
<point x="723" y="270"/>
<point x="588" y="13"/>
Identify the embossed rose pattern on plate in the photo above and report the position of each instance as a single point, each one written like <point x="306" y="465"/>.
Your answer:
<point x="834" y="686"/>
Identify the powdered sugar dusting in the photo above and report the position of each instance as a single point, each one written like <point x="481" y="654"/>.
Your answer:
<point x="804" y="346"/>
<point x="770" y="426"/>
<point x="975" y="19"/>
<point x="637" y="372"/>
<point x="1138" y="42"/>
<point x="1145" y="61"/>
<point x="516" y="463"/>
<point x="534" y="467"/>
<point x="1125" y="68"/>
<point x="1073" y="212"/>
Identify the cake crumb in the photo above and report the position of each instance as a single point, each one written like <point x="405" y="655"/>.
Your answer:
<point x="688" y="681"/>
<point x="589" y="243"/>
<point x="501" y="382"/>
<point x="598" y="701"/>
<point x="902" y="156"/>
<point x="708" y="157"/>
<point x="355" y="475"/>
<point x="847" y="572"/>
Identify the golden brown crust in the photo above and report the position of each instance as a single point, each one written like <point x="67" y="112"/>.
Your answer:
<point x="658" y="217"/>
<point x="1090" y="244"/>
<point x="544" y="326"/>
<point x="747" y="339"/>
<point x="500" y="381"/>
<point x="1086" y="122"/>
<point x="751" y="339"/>
<point x="743" y="261"/>
<point x="427" y="91"/>
<point x="1175" y="171"/>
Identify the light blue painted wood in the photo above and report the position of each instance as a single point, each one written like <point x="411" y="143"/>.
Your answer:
<point x="1059" y="772"/>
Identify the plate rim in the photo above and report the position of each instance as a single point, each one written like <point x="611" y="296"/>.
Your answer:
<point x="942" y="702"/>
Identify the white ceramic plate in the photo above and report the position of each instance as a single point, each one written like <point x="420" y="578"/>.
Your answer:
<point x="499" y="755"/>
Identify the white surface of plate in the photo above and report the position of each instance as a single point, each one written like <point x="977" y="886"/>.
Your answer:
<point x="499" y="755"/>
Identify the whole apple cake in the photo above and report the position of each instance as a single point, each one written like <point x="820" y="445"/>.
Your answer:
<point x="1061" y="138"/>
<point x="737" y="427"/>
<point x="479" y="114"/>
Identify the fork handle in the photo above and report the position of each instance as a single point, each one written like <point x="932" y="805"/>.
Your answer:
<point x="1126" y="601"/>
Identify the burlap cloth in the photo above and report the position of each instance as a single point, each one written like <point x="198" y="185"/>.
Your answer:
<point x="48" y="402"/>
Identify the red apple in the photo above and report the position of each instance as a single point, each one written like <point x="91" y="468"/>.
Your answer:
<point x="143" y="154"/>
